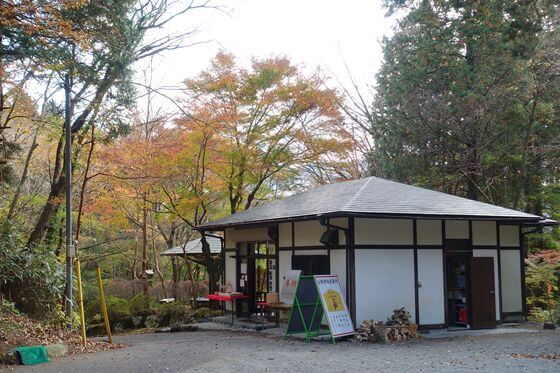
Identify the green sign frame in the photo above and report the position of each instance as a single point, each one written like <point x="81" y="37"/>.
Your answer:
<point x="307" y="310"/>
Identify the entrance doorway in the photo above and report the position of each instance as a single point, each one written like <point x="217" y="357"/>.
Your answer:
<point x="458" y="298"/>
<point x="256" y="269"/>
<point x="483" y="293"/>
<point x="469" y="288"/>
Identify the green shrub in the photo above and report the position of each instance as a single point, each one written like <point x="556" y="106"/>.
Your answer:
<point x="542" y="281"/>
<point x="118" y="310"/>
<point x="92" y="310"/>
<point x="540" y="315"/>
<point x="174" y="314"/>
<point x="8" y="307"/>
<point x="141" y="305"/>
<point x="32" y="279"/>
<point x="57" y="317"/>
<point x="90" y="290"/>
<point x="200" y="313"/>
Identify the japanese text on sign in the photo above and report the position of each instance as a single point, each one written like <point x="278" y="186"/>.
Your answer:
<point x="334" y="305"/>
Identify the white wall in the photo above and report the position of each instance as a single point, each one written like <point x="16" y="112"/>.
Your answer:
<point x="311" y="252"/>
<point x="431" y="302"/>
<point x="383" y="231"/>
<point x="428" y="232"/>
<point x="285" y="234"/>
<point x="340" y="222"/>
<point x="384" y="282"/>
<point x="228" y="242"/>
<point x="338" y="267"/>
<point x="285" y="263"/>
<point x="457" y="229"/>
<point x="509" y="235"/>
<point x="231" y="275"/>
<point x="511" y="281"/>
<point x="493" y="254"/>
<point x="230" y="270"/>
<point x="308" y="233"/>
<point x="484" y="233"/>
<point x="239" y="235"/>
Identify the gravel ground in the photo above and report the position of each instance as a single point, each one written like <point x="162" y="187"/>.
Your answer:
<point x="241" y="351"/>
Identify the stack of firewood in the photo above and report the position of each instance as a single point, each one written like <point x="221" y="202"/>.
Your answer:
<point x="370" y="331"/>
<point x="398" y="327"/>
<point x="399" y="317"/>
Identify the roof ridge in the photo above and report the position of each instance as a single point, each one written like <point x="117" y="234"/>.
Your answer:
<point x="357" y="193"/>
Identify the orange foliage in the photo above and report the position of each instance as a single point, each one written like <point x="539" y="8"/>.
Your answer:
<point x="269" y="124"/>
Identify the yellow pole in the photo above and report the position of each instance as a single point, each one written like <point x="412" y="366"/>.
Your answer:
<point x="103" y="305"/>
<point x="81" y="302"/>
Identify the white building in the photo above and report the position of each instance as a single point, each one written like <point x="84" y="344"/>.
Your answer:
<point x="452" y="262"/>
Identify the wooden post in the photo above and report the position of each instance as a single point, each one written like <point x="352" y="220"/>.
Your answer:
<point x="81" y="302"/>
<point x="351" y="268"/>
<point x="522" y="251"/>
<point x="499" y="254"/>
<point x="103" y="305"/>
<point x="416" y="282"/>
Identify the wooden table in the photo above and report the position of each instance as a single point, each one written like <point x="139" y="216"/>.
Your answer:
<point x="227" y="298"/>
<point x="276" y="307"/>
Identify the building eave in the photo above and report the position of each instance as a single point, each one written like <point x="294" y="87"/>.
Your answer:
<point x="529" y="221"/>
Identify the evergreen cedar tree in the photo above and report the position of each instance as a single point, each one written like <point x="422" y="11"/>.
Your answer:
<point x="468" y="101"/>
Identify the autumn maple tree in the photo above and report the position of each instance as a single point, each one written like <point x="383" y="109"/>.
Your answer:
<point x="267" y="123"/>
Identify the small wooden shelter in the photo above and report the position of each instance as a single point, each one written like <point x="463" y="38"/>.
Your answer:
<point x="450" y="261"/>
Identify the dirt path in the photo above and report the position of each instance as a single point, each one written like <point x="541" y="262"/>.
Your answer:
<point x="228" y="351"/>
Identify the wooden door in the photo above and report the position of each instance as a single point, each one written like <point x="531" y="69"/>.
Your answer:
<point x="251" y="284"/>
<point x="483" y="294"/>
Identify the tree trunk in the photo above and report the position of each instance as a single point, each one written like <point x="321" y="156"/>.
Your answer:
<point x="54" y="199"/>
<point x="175" y="274"/>
<point x="213" y="266"/>
<point x="84" y="184"/>
<point x="133" y="274"/>
<point x="191" y="280"/>
<point x="144" y="246"/>
<point x="472" y="189"/>
<point x="156" y="266"/>
<point x="524" y="150"/>
<point x="34" y="145"/>
<point x="23" y="178"/>
<point x="50" y="209"/>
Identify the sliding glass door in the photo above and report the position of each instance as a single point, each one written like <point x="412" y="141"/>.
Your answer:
<point x="256" y="269"/>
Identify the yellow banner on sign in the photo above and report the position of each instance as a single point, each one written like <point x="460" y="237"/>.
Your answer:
<point x="334" y="301"/>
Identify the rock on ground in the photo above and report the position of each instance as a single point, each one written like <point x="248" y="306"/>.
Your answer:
<point x="57" y="350"/>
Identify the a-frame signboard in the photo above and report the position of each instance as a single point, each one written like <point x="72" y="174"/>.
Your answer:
<point x="315" y="297"/>
<point x="307" y="311"/>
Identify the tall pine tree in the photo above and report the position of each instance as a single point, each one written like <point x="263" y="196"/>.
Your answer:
<point x="467" y="99"/>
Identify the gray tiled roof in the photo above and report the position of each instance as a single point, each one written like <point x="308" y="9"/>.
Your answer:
<point x="194" y="247"/>
<point x="370" y="196"/>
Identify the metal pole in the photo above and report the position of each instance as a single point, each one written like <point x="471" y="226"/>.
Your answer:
<point x="70" y="251"/>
